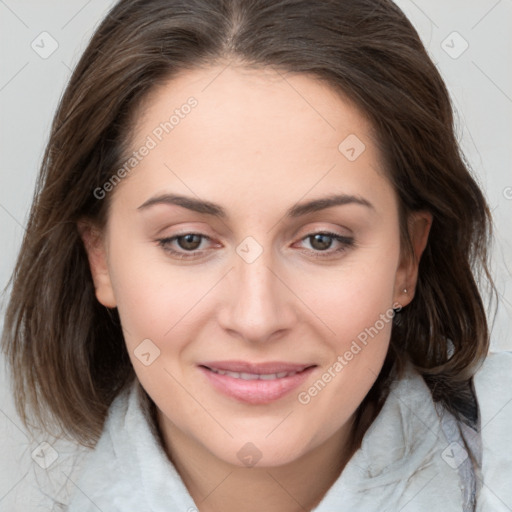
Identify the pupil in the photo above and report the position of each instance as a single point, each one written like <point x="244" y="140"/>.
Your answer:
<point x="322" y="239"/>
<point x="189" y="242"/>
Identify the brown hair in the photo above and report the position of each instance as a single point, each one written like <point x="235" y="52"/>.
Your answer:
<point x="66" y="350"/>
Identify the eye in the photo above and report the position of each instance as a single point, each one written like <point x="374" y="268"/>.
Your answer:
<point x="188" y="242"/>
<point x="323" y="241"/>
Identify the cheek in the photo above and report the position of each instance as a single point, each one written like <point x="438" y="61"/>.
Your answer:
<point x="357" y="307"/>
<point x="350" y="299"/>
<point x="361" y="325"/>
<point x="152" y="297"/>
<point x="158" y="307"/>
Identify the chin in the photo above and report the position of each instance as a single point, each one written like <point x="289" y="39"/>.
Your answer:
<point x="260" y="454"/>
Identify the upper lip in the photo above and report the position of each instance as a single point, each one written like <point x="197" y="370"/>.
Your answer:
<point x="256" y="368"/>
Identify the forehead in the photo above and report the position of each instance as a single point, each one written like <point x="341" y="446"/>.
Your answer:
<point x="261" y="129"/>
<point x="261" y="103"/>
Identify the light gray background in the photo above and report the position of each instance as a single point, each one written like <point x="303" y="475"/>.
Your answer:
<point x="479" y="80"/>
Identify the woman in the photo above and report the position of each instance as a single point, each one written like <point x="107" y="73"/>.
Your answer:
<point x="250" y="276"/>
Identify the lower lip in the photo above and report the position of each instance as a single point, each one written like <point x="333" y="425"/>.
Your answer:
<point x="256" y="391"/>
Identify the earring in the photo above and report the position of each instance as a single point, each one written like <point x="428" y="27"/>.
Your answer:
<point x="405" y="290"/>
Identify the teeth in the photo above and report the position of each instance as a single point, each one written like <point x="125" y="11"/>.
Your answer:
<point x="268" y="376"/>
<point x="253" y="376"/>
<point x="246" y="376"/>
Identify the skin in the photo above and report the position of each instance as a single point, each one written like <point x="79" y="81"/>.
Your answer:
<point x="257" y="144"/>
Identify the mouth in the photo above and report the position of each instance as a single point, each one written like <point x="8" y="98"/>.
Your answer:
<point x="254" y="376"/>
<point x="255" y="383"/>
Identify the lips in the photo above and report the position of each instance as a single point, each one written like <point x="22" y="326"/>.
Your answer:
<point x="255" y="383"/>
<point x="253" y="376"/>
<point x="256" y="368"/>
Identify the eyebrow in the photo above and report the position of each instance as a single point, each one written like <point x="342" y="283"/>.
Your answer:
<point x="215" y="210"/>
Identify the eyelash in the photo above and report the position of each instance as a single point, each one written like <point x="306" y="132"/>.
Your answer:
<point x="346" y="242"/>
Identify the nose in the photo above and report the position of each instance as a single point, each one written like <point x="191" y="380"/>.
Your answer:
<point x="260" y="304"/>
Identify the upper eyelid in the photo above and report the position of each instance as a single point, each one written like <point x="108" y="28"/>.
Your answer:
<point x="326" y="231"/>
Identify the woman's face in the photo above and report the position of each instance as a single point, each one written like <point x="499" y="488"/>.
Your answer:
<point x="281" y="266"/>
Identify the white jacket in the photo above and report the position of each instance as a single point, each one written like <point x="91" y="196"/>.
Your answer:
<point x="412" y="458"/>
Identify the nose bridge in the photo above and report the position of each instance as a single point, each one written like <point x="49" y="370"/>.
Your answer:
<point x="258" y="303"/>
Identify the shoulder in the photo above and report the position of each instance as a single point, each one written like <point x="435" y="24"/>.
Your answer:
<point x="499" y="360"/>
<point x="128" y="469"/>
<point x="493" y="386"/>
<point x="108" y="472"/>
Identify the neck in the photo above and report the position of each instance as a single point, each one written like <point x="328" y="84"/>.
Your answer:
<point x="216" y="485"/>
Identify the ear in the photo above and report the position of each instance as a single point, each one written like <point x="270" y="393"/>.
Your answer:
<point x="95" y="246"/>
<point x="419" y="224"/>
